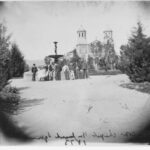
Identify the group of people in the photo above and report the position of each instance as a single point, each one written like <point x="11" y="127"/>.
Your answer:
<point x="54" y="71"/>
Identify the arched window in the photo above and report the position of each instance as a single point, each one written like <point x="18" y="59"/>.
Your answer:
<point x="82" y="34"/>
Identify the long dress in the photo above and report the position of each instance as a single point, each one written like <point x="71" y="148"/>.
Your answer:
<point x="66" y="72"/>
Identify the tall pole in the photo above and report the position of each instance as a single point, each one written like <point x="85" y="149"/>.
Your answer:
<point x="55" y="43"/>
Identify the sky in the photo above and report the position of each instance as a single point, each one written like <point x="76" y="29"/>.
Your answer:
<point x="35" y="25"/>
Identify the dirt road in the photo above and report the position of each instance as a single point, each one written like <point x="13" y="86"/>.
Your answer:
<point x="94" y="110"/>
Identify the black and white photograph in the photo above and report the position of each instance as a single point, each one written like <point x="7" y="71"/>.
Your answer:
<point x="74" y="73"/>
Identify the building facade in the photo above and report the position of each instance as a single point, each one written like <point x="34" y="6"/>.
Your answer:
<point x="82" y="46"/>
<point x="96" y="50"/>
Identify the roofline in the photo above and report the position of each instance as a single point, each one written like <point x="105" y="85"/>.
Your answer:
<point x="81" y="30"/>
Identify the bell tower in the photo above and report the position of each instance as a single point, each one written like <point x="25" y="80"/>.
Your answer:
<point x="81" y="36"/>
<point x="108" y="37"/>
<point x="82" y="46"/>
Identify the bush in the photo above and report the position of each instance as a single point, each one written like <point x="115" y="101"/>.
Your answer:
<point x="135" y="56"/>
<point x="10" y="89"/>
<point x="90" y="63"/>
<point x="9" y="100"/>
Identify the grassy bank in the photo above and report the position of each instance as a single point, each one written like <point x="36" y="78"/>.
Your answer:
<point x="103" y="72"/>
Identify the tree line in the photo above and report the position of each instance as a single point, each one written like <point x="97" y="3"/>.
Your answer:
<point x="12" y="62"/>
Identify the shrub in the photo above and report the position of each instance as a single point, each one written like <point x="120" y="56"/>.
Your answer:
<point x="9" y="100"/>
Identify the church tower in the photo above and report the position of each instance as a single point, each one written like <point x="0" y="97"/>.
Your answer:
<point x="81" y="36"/>
<point x="82" y="46"/>
<point x="108" y="37"/>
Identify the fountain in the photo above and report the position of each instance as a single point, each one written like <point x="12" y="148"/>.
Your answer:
<point x="55" y="56"/>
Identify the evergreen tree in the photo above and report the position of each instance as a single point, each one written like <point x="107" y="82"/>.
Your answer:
<point x="4" y="56"/>
<point x="9" y="98"/>
<point x="75" y="57"/>
<point x="75" y="60"/>
<point x="96" y="48"/>
<point x="17" y="61"/>
<point x="135" y="56"/>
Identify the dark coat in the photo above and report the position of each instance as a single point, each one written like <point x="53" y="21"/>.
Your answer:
<point x="84" y="66"/>
<point x="34" y="69"/>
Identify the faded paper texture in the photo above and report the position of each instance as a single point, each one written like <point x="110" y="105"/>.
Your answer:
<point x="77" y="96"/>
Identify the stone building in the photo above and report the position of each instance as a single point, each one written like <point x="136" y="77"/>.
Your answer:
<point x="97" y="51"/>
<point x="82" y="46"/>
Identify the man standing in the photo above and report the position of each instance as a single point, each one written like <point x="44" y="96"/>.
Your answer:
<point x="85" y="69"/>
<point x="34" y="71"/>
<point x="74" y="69"/>
<point x="77" y="72"/>
<point x="51" y="69"/>
<point x="57" y="71"/>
